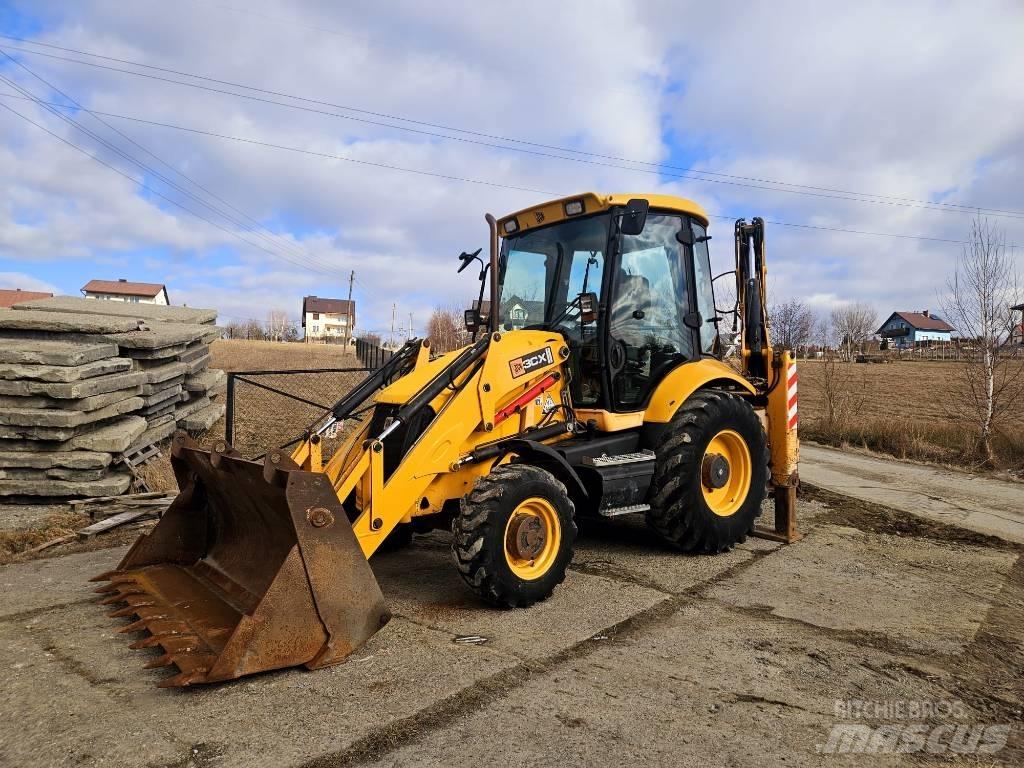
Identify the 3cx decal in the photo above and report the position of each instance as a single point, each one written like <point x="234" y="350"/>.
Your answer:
<point x="523" y="365"/>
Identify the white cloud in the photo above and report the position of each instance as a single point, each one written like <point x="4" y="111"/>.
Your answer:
<point x="918" y="100"/>
<point x="14" y="280"/>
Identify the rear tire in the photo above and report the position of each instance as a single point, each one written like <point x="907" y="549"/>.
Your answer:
<point x="710" y="475"/>
<point x="513" y="537"/>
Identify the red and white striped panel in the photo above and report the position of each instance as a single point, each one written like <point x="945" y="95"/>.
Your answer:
<point x="791" y="402"/>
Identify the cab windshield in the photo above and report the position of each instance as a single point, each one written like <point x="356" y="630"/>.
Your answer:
<point x="543" y="272"/>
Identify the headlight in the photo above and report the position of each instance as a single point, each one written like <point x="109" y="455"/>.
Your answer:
<point x="574" y="208"/>
<point x="511" y="226"/>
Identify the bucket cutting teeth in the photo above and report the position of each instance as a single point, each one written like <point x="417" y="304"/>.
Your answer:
<point x="235" y="579"/>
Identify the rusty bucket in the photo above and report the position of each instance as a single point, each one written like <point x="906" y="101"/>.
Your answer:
<point x="253" y="567"/>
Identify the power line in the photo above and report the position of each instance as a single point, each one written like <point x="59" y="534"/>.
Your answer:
<point x="549" y="193"/>
<point x="299" y="254"/>
<point x="146" y="187"/>
<point x="660" y="169"/>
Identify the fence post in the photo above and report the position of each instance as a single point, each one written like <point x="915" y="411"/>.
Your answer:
<point x="229" y="414"/>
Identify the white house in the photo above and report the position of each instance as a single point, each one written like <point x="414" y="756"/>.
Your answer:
<point x="328" y="319"/>
<point x="123" y="290"/>
<point x="909" y="329"/>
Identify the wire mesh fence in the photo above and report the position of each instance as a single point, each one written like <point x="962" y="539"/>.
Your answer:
<point x="272" y="409"/>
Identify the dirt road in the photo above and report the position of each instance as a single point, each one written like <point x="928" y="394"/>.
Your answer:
<point x="976" y="503"/>
<point x="642" y="655"/>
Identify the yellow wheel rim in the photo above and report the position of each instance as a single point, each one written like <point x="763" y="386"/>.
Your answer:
<point x="726" y="471"/>
<point x="532" y="538"/>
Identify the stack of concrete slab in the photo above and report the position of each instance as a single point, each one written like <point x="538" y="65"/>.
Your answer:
<point x="84" y="381"/>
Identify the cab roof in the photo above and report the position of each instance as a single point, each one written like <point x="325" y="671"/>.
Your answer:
<point x="554" y="210"/>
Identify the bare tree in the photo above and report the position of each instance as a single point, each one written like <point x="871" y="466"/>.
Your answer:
<point x="791" y="324"/>
<point x="234" y="330"/>
<point x="853" y="324"/>
<point x="843" y="398"/>
<point x="445" y="329"/>
<point x="254" y="330"/>
<point x="980" y="293"/>
<point x="277" y="324"/>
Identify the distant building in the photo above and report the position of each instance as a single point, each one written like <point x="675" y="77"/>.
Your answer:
<point x="909" y="329"/>
<point x="328" y="319"/>
<point x="1017" y="329"/>
<point x="123" y="290"/>
<point x="11" y="296"/>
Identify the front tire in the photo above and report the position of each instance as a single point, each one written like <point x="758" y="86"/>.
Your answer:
<point x="710" y="475"/>
<point x="513" y="537"/>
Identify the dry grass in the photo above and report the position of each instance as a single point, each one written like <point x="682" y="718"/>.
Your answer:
<point x="14" y="542"/>
<point x="903" y="409"/>
<point x="236" y="355"/>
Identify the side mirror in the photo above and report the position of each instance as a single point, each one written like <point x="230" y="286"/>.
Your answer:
<point x="634" y="217"/>
<point x="588" y="307"/>
<point x="471" y="318"/>
<point x="467" y="258"/>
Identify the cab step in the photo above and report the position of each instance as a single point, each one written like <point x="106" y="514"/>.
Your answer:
<point x="615" y="461"/>
<point x="627" y="510"/>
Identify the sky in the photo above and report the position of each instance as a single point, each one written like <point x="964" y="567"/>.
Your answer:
<point x="403" y="123"/>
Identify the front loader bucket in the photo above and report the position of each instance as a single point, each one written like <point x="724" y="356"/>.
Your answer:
<point x="254" y="566"/>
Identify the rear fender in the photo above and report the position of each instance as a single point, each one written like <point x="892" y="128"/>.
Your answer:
<point x="680" y="383"/>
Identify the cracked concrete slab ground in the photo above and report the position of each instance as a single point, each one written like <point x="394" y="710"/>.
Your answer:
<point x="642" y="655"/>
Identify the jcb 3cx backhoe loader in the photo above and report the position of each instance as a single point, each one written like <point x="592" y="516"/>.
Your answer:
<point x="596" y="386"/>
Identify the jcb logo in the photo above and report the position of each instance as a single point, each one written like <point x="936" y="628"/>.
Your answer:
<point x="523" y="365"/>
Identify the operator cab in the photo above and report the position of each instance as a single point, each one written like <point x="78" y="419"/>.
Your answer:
<point x="626" y="281"/>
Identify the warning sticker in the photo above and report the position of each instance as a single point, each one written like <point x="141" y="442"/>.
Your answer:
<point x="523" y="365"/>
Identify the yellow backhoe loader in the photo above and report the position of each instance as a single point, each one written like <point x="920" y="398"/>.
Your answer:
<point x="595" y="385"/>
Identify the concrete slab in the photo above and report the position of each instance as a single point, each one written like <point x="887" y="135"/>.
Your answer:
<point x="202" y="419"/>
<point x="75" y="389"/>
<point x="113" y="484"/>
<point x="155" y="433"/>
<point x="40" y="418"/>
<point x="189" y="407"/>
<point x="199" y="364"/>
<point x="65" y="322"/>
<point x="913" y="591"/>
<point x="157" y="335"/>
<point x="703" y="687"/>
<point x="194" y="352"/>
<point x="211" y="378"/>
<point x="34" y="351"/>
<point x="121" y="309"/>
<point x="159" y="386"/>
<point x="40" y="584"/>
<point x="74" y="404"/>
<point x="164" y="372"/>
<point x="625" y="548"/>
<point x="15" y="371"/>
<point x="161" y="353"/>
<point x="113" y="437"/>
<point x="51" y="473"/>
<point x="48" y="459"/>
<point x="162" y="395"/>
<point x="422" y="584"/>
<point x="977" y="503"/>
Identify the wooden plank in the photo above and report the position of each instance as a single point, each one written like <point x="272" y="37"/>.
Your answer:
<point x="112" y="522"/>
<point x="50" y="543"/>
<point x="129" y="496"/>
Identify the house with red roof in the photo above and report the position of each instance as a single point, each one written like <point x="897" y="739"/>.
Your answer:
<point x="910" y="329"/>
<point x="126" y="290"/>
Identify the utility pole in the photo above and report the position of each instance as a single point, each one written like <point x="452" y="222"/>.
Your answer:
<point x="351" y="314"/>
<point x="410" y="325"/>
<point x="391" y="341"/>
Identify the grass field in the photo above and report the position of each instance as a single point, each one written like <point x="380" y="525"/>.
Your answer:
<point x="903" y="408"/>
<point x="907" y="409"/>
